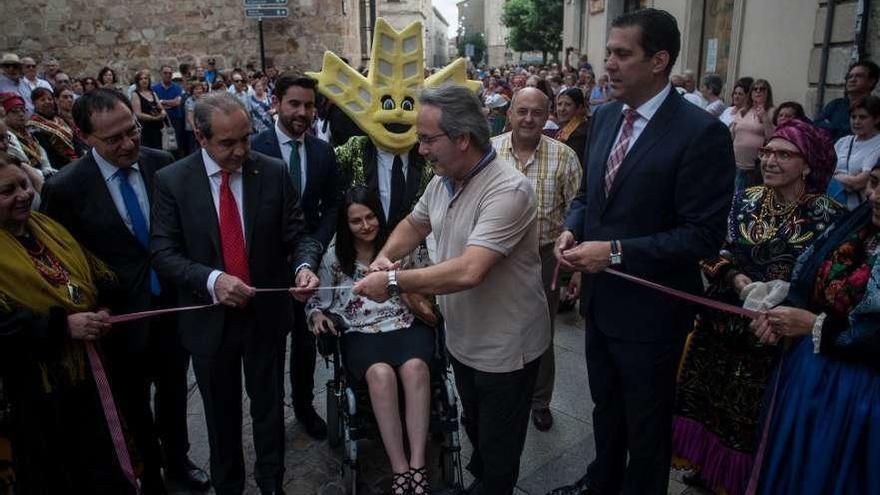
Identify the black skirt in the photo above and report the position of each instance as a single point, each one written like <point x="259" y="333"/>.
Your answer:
<point x="363" y="350"/>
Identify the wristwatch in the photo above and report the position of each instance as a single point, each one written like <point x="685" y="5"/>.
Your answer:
<point x="393" y="288"/>
<point x="616" y="257"/>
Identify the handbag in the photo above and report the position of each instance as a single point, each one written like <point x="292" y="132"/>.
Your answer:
<point x="169" y="138"/>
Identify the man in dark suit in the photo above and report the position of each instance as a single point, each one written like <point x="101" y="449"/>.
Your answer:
<point x="104" y="200"/>
<point x="312" y="164"/>
<point x="225" y="222"/>
<point x="657" y="188"/>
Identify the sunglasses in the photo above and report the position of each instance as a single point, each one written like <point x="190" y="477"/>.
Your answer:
<point x="759" y="89"/>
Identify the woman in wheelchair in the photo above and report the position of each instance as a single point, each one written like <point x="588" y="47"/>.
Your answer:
<point x="383" y="343"/>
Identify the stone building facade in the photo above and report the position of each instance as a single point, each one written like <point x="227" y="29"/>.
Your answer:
<point x="484" y="16"/>
<point x="779" y="40"/>
<point x="85" y="35"/>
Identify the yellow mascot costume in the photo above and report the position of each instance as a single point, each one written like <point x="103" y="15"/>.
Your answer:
<point x="384" y="105"/>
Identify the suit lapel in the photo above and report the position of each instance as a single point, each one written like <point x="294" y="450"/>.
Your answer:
<point x="201" y="189"/>
<point x="413" y="176"/>
<point x="147" y="175"/>
<point x="657" y="127"/>
<point x="250" y="189"/>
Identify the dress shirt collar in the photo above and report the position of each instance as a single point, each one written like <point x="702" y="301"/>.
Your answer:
<point x="211" y="166"/>
<point x="108" y="170"/>
<point x="284" y="138"/>
<point x="647" y="109"/>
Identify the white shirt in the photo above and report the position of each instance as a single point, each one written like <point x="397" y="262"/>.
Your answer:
<point x="646" y="111"/>
<point x="113" y="178"/>
<point x="285" y="142"/>
<point x="695" y="98"/>
<point x="855" y="156"/>
<point x="215" y="178"/>
<point x="727" y="115"/>
<point x="39" y="83"/>
<point x="384" y="167"/>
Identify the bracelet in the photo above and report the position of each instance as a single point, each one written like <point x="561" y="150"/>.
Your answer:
<point x="817" y="332"/>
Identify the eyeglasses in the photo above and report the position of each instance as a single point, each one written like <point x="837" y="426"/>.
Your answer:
<point x="759" y="89"/>
<point x="430" y="139"/>
<point x="237" y="80"/>
<point x="782" y="156"/>
<point x="29" y="66"/>
<point x="116" y="140"/>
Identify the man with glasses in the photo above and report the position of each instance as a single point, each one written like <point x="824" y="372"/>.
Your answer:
<point x="241" y="90"/>
<point x="483" y="213"/>
<point x="860" y="82"/>
<point x="171" y="97"/>
<point x="30" y="75"/>
<point x="62" y="81"/>
<point x="104" y="200"/>
<point x="11" y="80"/>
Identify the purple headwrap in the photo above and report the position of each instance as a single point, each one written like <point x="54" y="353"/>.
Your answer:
<point x="816" y="146"/>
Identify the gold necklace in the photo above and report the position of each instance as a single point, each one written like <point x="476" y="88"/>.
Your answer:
<point x="773" y="215"/>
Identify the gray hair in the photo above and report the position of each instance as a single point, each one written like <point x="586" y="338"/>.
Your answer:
<point x="214" y="102"/>
<point x="714" y="83"/>
<point x="461" y="113"/>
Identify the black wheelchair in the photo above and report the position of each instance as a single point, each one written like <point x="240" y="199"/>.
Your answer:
<point x="350" y="417"/>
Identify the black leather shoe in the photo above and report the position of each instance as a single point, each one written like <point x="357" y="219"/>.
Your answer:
<point x="583" y="486"/>
<point x="315" y="426"/>
<point x="542" y="419"/>
<point x="188" y="474"/>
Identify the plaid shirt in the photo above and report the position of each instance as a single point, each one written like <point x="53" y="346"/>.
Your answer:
<point x="555" y="173"/>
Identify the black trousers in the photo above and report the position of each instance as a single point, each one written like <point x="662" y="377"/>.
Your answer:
<point x="495" y="415"/>
<point x="633" y="388"/>
<point x="163" y="363"/>
<point x="303" y="352"/>
<point x="261" y="352"/>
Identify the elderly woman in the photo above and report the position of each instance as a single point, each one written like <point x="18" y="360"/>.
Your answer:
<point x="384" y="342"/>
<point x="52" y="132"/>
<point x="751" y="127"/>
<point x="725" y="369"/>
<point x="711" y="91"/>
<point x="822" y="426"/>
<point x="16" y="119"/>
<point x="53" y="436"/>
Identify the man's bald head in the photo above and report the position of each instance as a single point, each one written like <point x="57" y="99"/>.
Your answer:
<point x="529" y="94"/>
<point x="528" y="113"/>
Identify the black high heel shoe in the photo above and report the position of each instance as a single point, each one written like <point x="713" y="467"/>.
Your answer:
<point x="401" y="483"/>
<point x="419" y="481"/>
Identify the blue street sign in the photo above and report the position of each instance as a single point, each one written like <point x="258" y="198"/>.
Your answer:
<point x="266" y="12"/>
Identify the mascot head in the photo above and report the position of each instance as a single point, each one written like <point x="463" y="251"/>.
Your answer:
<point x="385" y="103"/>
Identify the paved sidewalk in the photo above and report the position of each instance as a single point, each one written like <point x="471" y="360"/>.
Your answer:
<point x="550" y="459"/>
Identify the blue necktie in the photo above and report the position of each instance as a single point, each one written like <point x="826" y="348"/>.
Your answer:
<point x="138" y="221"/>
<point x="296" y="166"/>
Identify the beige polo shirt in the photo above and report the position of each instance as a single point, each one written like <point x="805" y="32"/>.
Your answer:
<point x="503" y="323"/>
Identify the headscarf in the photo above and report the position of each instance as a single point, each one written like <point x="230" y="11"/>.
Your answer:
<point x="818" y="150"/>
<point x="10" y="100"/>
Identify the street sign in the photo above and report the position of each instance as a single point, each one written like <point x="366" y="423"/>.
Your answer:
<point x="263" y="3"/>
<point x="266" y="12"/>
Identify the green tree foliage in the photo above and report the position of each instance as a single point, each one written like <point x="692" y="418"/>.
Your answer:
<point x="535" y="25"/>
<point x="479" y="42"/>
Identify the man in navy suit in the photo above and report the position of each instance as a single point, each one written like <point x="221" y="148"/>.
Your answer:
<point x="655" y="198"/>
<point x="312" y="164"/>
<point x="104" y="200"/>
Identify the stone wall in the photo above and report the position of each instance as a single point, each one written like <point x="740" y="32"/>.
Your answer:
<point x="85" y="35"/>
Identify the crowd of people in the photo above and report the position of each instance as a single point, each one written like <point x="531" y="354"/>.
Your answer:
<point x="254" y="195"/>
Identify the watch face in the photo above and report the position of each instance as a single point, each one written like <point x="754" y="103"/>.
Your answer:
<point x="393" y="290"/>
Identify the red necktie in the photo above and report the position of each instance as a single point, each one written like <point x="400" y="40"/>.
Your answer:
<point x="619" y="152"/>
<point x="231" y="236"/>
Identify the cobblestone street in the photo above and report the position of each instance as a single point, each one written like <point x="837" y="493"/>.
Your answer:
<point x="550" y="459"/>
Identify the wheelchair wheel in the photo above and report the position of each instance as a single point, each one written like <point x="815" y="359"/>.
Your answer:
<point x="349" y="477"/>
<point x="334" y="421"/>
